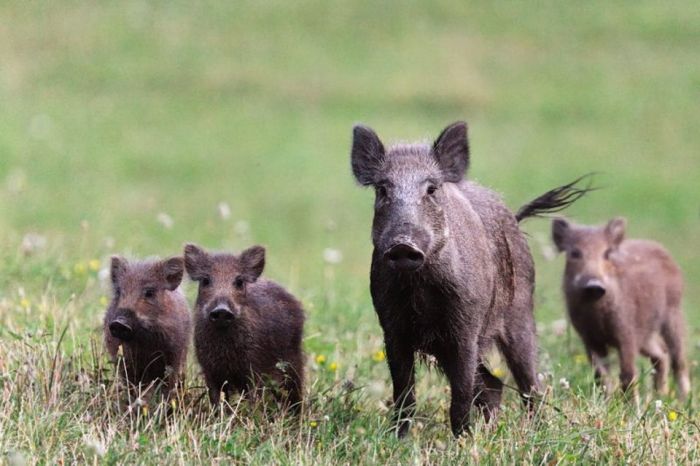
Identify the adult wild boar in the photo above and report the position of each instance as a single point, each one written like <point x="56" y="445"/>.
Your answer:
<point x="149" y="319"/>
<point x="624" y="294"/>
<point x="451" y="272"/>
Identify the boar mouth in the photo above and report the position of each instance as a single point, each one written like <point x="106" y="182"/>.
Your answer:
<point x="404" y="257"/>
<point x="120" y="329"/>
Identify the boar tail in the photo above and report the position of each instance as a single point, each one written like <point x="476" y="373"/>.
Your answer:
<point x="556" y="199"/>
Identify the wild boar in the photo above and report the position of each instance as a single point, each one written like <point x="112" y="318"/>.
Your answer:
<point x="624" y="294"/>
<point x="248" y="330"/>
<point x="451" y="272"/>
<point x="150" y="320"/>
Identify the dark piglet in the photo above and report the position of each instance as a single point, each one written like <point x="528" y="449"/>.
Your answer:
<point x="451" y="272"/>
<point x="248" y="330"/>
<point x="149" y="318"/>
<point x="624" y="294"/>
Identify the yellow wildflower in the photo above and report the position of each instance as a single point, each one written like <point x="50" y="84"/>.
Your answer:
<point x="672" y="415"/>
<point x="320" y="359"/>
<point x="80" y="268"/>
<point x="103" y="300"/>
<point x="379" y="356"/>
<point x="144" y="410"/>
<point x="173" y="403"/>
<point x="94" y="265"/>
<point x="580" y="358"/>
<point x="313" y="424"/>
<point x="333" y="366"/>
<point x="25" y="303"/>
<point x="499" y="372"/>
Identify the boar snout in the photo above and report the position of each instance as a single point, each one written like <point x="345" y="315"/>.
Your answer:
<point x="222" y="315"/>
<point x="404" y="256"/>
<point x="121" y="328"/>
<point x="593" y="289"/>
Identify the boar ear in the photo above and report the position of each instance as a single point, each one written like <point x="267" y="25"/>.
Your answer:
<point x="367" y="155"/>
<point x="451" y="150"/>
<point x="117" y="269"/>
<point x="196" y="260"/>
<point x="615" y="230"/>
<point x="252" y="262"/>
<point x="560" y="233"/>
<point x="173" y="269"/>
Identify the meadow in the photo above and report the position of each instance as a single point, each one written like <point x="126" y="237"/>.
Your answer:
<point x="133" y="127"/>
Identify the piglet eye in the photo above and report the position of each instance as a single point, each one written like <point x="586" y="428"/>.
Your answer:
<point x="205" y="282"/>
<point x="431" y="190"/>
<point x="149" y="293"/>
<point x="239" y="283"/>
<point x="607" y="254"/>
<point x="575" y="254"/>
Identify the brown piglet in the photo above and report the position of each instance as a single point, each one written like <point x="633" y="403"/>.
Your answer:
<point x="624" y="294"/>
<point x="248" y="330"/>
<point x="150" y="320"/>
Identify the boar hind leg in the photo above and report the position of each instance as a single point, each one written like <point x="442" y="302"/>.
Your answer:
<point x="673" y="335"/>
<point x="519" y="348"/>
<point x="401" y="365"/>
<point x="655" y="350"/>
<point x="488" y="389"/>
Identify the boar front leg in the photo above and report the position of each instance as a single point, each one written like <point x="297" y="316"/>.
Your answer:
<point x="459" y="364"/>
<point x="628" y="352"/>
<point x="401" y="365"/>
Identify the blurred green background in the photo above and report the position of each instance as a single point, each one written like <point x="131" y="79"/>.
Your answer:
<point x="125" y="125"/>
<point x="133" y="127"/>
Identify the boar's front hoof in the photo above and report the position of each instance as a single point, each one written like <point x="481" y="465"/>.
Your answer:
<point x="120" y="329"/>
<point x="404" y="257"/>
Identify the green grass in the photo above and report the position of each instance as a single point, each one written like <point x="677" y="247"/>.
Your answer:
<point x="112" y="113"/>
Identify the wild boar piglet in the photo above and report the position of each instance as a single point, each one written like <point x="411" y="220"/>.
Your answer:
<point x="248" y="330"/>
<point x="150" y="320"/>
<point x="624" y="294"/>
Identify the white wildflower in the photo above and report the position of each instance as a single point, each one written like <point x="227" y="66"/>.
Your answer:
<point x="563" y="383"/>
<point x="165" y="220"/>
<point x="332" y="256"/>
<point x="32" y="242"/>
<point x="224" y="210"/>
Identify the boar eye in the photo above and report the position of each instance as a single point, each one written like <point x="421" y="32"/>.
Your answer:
<point x="381" y="191"/>
<point x="431" y="189"/>
<point x="149" y="293"/>
<point x="608" y="253"/>
<point x="205" y="282"/>
<point x="239" y="283"/>
<point x="575" y="254"/>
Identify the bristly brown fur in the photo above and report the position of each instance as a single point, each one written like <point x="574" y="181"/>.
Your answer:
<point x="262" y="345"/>
<point x="157" y="349"/>
<point x="452" y="274"/>
<point x="624" y="294"/>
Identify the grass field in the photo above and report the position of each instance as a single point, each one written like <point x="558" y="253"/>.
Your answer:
<point x="127" y="127"/>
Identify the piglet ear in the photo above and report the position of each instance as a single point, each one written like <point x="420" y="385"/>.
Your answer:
<point x="196" y="261"/>
<point x="615" y="230"/>
<point x="252" y="262"/>
<point x="117" y="269"/>
<point x="560" y="233"/>
<point x="173" y="270"/>
<point x="367" y="155"/>
<point x="451" y="151"/>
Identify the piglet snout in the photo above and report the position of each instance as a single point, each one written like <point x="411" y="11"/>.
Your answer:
<point x="593" y="289"/>
<point x="120" y="328"/>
